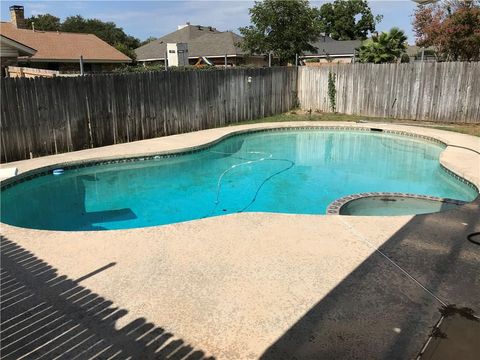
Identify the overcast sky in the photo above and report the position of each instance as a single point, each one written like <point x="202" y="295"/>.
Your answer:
<point x="156" y="18"/>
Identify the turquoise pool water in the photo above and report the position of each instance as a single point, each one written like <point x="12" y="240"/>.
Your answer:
<point x="294" y="171"/>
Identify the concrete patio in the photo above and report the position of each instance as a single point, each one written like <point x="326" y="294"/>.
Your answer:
<point x="242" y="286"/>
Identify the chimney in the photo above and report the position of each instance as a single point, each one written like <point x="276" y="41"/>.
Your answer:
<point x="17" y="17"/>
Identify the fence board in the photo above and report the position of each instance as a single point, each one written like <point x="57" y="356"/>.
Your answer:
<point x="442" y="92"/>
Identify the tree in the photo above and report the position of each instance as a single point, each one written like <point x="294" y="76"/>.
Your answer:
<point x="45" y="22"/>
<point x="283" y="27"/>
<point x="404" y="58"/>
<point x="148" y="40"/>
<point x="386" y="47"/>
<point x="125" y="49"/>
<point x="451" y="27"/>
<point x="348" y="20"/>
<point x="107" y="31"/>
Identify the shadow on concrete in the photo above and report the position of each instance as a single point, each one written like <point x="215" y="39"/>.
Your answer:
<point x="377" y="312"/>
<point x="47" y="316"/>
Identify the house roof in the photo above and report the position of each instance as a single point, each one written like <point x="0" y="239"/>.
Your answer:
<point x="23" y="50"/>
<point x="326" y="45"/>
<point x="62" y="46"/>
<point x="201" y="40"/>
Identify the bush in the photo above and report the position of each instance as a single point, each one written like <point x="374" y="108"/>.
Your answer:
<point x="405" y="58"/>
<point x="332" y="91"/>
<point x="127" y="69"/>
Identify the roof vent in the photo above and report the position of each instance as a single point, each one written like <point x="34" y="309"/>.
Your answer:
<point x="180" y="27"/>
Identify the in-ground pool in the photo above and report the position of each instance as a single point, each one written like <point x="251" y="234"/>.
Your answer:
<point x="290" y="171"/>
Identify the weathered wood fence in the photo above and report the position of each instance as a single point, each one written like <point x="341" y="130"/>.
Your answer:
<point x="443" y="92"/>
<point x="49" y="116"/>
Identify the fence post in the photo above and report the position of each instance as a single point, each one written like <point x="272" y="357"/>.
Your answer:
<point x="81" y="66"/>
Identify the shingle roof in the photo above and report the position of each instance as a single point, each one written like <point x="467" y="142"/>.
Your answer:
<point x="61" y="46"/>
<point x="201" y="40"/>
<point x="23" y="50"/>
<point x="326" y="45"/>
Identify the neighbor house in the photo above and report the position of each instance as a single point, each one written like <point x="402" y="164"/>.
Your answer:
<point x="331" y="51"/>
<point x="10" y="50"/>
<point x="205" y="44"/>
<point x="59" y="50"/>
<point x="417" y="53"/>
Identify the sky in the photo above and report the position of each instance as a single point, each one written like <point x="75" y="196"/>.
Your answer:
<point x="143" y="19"/>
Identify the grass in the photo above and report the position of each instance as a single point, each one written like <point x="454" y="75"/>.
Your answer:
<point x="470" y="129"/>
<point x="298" y="115"/>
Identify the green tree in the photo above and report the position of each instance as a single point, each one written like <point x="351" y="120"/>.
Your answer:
<point x="107" y="31"/>
<point x="282" y="27"/>
<point x="348" y="20"/>
<point x="45" y="22"/>
<point x="386" y="47"/>
<point x="129" y="51"/>
<point x="405" y="58"/>
<point x="148" y="40"/>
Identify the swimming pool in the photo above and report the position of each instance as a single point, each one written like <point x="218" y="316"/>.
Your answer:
<point x="297" y="171"/>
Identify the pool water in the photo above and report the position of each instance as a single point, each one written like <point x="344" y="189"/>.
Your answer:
<point x="289" y="171"/>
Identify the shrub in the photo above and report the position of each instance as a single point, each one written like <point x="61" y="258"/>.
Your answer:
<point x="405" y="58"/>
<point x="332" y="91"/>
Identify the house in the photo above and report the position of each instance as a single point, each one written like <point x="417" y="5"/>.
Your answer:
<point x="417" y="53"/>
<point x="10" y="50"/>
<point x="331" y="51"/>
<point x="205" y="44"/>
<point x="59" y="50"/>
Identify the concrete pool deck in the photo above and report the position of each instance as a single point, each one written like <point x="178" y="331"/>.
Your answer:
<point x="242" y="286"/>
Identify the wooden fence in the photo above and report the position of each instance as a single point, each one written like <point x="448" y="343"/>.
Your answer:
<point x="443" y="92"/>
<point x="48" y="116"/>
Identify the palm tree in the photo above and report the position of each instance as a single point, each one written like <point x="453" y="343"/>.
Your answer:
<point x="384" y="48"/>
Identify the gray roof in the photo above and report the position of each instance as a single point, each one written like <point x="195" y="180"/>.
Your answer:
<point x="326" y="45"/>
<point x="201" y="40"/>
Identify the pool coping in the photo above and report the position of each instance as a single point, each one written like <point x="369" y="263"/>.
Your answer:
<point x="335" y="207"/>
